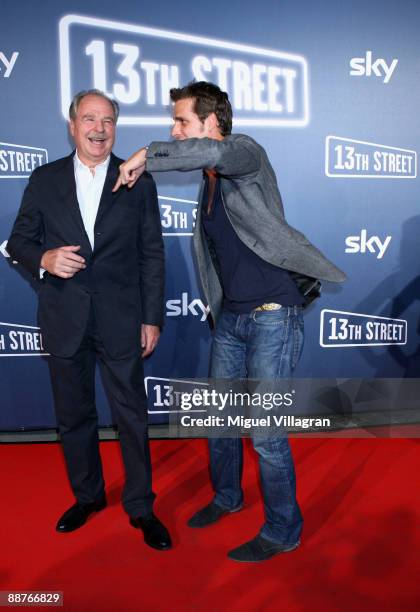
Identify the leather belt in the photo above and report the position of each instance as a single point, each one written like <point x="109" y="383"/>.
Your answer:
<point x="269" y="306"/>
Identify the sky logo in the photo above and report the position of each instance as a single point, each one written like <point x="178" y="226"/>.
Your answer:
<point x="363" y="244"/>
<point x="366" y="66"/>
<point x="184" y="308"/>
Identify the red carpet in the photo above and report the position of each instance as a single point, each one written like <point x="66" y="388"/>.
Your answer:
<point x="360" y="546"/>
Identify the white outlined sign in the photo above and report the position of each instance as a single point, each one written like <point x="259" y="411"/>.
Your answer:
<point x="344" y="329"/>
<point x="177" y="216"/>
<point x="348" y="158"/>
<point x="20" y="341"/>
<point x="137" y="65"/>
<point x="164" y="398"/>
<point x="19" y="161"/>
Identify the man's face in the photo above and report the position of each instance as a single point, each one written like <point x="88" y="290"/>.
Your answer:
<point x="93" y="129"/>
<point x="186" y="123"/>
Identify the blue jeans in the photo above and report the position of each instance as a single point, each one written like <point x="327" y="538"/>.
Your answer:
<point x="259" y="345"/>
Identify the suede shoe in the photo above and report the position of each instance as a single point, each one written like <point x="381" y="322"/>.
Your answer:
<point x="209" y="514"/>
<point x="155" y="533"/>
<point x="77" y="515"/>
<point x="259" y="549"/>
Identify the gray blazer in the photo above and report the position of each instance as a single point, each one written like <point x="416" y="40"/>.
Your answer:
<point x="253" y="204"/>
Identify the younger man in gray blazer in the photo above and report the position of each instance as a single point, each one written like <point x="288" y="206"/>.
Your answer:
<point x="248" y="257"/>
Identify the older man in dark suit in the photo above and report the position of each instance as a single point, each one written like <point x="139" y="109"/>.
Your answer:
<point x="99" y="258"/>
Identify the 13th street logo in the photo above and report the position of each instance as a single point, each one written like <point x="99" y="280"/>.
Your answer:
<point x="177" y="216"/>
<point x="138" y="65"/>
<point x="350" y="158"/>
<point x="339" y="328"/>
<point x="20" y="340"/>
<point x="19" y="161"/>
<point x="164" y="397"/>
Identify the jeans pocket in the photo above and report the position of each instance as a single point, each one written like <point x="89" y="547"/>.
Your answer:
<point x="270" y="318"/>
<point x="298" y="340"/>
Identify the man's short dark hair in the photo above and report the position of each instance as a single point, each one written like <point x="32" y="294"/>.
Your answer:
<point x="74" y="106"/>
<point x="209" y="98"/>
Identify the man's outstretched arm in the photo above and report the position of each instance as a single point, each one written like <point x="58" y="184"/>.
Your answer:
<point x="131" y="169"/>
<point x="230" y="157"/>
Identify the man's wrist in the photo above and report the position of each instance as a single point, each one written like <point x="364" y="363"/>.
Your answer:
<point x="42" y="261"/>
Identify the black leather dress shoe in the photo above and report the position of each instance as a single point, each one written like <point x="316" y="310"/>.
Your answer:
<point x="155" y="533"/>
<point x="77" y="515"/>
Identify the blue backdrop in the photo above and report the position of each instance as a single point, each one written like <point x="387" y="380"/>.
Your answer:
<point x="330" y="89"/>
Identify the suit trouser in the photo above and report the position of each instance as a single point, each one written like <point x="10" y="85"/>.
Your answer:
<point x="73" y="382"/>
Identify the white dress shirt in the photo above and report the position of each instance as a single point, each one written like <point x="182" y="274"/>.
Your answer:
<point x="89" y="189"/>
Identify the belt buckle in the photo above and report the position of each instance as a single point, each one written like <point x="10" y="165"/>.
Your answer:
<point x="268" y="306"/>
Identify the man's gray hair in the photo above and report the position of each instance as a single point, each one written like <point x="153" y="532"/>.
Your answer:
<point x="74" y="106"/>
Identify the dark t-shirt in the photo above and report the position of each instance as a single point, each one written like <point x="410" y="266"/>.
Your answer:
<point x="248" y="281"/>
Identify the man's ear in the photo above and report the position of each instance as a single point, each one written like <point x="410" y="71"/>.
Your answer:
<point x="71" y="127"/>
<point x="212" y="123"/>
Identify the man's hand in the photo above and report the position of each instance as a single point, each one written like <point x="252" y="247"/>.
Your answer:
<point x="149" y="338"/>
<point x="132" y="169"/>
<point x="63" y="261"/>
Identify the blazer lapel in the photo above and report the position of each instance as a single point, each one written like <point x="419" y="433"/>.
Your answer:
<point x="107" y="197"/>
<point x="66" y="184"/>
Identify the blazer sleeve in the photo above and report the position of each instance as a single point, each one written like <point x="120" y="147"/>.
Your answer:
<point x="234" y="156"/>
<point x="151" y="252"/>
<point x="26" y="242"/>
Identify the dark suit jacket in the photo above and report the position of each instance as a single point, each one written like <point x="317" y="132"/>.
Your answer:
<point x="124" y="277"/>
